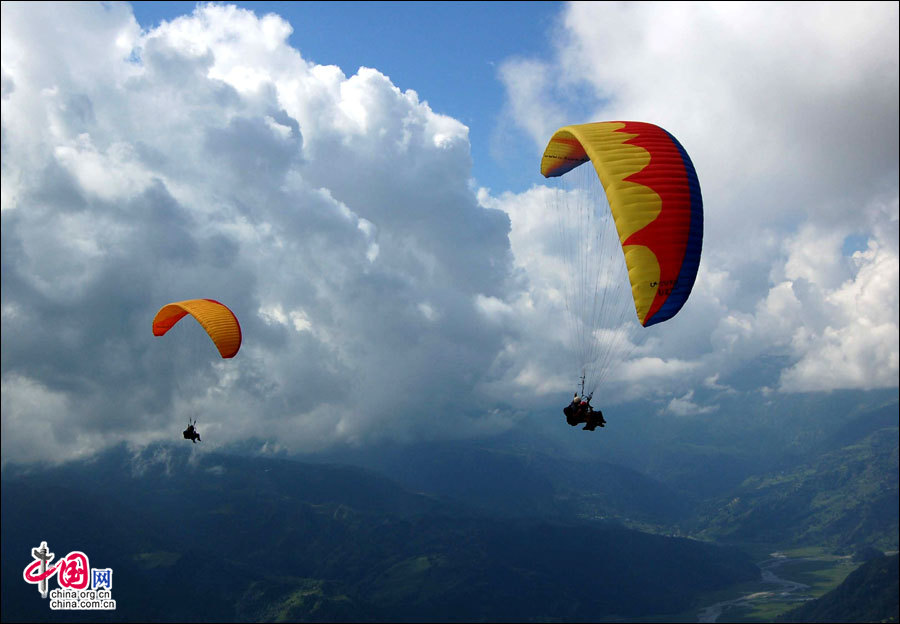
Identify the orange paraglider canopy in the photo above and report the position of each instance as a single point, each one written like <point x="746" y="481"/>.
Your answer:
<point x="219" y="322"/>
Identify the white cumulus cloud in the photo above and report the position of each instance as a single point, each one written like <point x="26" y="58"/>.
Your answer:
<point x="207" y="158"/>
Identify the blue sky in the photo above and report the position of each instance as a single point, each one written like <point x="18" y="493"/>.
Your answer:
<point x="156" y="152"/>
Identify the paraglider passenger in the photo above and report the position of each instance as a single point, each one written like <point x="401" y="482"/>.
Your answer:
<point x="593" y="419"/>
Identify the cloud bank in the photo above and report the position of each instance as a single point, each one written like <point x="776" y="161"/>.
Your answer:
<point x="790" y="114"/>
<point x="380" y="295"/>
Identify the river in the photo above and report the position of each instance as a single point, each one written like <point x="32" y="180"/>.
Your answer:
<point x="784" y="591"/>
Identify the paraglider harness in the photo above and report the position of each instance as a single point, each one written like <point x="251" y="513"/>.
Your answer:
<point x="191" y="433"/>
<point x="578" y="412"/>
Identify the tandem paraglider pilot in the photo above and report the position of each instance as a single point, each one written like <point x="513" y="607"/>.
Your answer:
<point x="580" y="411"/>
<point x="191" y="433"/>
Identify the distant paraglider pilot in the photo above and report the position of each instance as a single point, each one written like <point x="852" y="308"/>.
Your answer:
<point x="191" y="433"/>
<point x="580" y="411"/>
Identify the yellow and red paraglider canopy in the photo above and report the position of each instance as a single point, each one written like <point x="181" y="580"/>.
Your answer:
<point x="654" y="197"/>
<point x="219" y="322"/>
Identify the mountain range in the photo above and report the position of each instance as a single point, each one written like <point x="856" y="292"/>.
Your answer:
<point x="217" y="537"/>
<point x="639" y="524"/>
